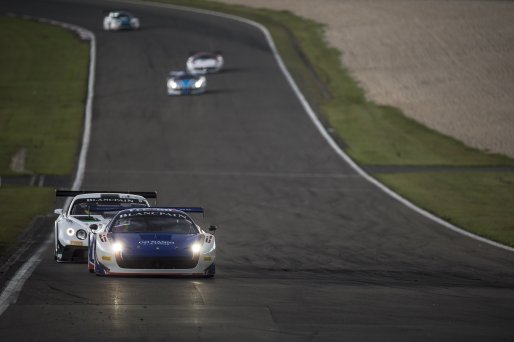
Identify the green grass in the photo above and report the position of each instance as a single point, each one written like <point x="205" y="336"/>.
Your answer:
<point x="19" y="206"/>
<point x="483" y="203"/>
<point x="43" y="78"/>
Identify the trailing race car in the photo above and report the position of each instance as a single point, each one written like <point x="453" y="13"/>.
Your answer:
<point x="153" y="241"/>
<point x="183" y="83"/>
<point x="72" y="227"/>
<point x="120" y="20"/>
<point x="204" y="62"/>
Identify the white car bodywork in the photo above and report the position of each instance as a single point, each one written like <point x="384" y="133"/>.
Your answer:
<point x="119" y="20"/>
<point x="72" y="226"/>
<point x="205" y="62"/>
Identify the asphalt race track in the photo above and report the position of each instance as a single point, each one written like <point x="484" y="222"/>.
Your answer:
<point x="307" y="249"/>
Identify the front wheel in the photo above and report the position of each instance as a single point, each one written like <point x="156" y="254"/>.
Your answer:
<point x="210" y="271"/>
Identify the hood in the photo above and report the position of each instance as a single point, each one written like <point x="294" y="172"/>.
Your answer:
<point x="187" y="83"/>
<point x="155" y="244"/>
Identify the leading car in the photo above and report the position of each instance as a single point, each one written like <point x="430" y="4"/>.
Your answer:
<point x="155" y="242"/>
<point x="72" y="226"/>
<point x="120" y="20"/>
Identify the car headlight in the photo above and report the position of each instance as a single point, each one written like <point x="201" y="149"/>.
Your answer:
<point x="172" y="84"/>
<point x="117" y="247"/>
<point x="81" y="234"/>
<point x="200" y="83"/>
<point x="196" y="247"/>
<point x="70" y="231"/>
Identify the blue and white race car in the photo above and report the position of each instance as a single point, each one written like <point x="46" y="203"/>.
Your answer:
<point x="153" y="242"/>
<point x="183" y="83"/>
<point x="72" y="226"/>
<point x="120" y="20"/>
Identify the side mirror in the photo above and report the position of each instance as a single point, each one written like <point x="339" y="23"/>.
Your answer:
<point x="93" y="227"/>
<point x="58" y="211"/>
<point x="212" y="229"/>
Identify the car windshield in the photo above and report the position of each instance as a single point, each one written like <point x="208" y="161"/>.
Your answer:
<point x="154" y="224"/>
<point x="107" y="207"/>
<point x="186" y="77"/>
<point x="123" y="15"/>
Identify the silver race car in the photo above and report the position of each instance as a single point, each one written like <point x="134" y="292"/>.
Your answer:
<point x="72" y="226"/>
<point x="120" y="20"/>
<point x="204" y="62"/>
<point x="183" y="83"/>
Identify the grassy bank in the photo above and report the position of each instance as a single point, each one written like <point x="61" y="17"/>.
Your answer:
<point x="481" y="202"/>
<point x="19" y="206"/>
<point x="380" y="135"/>
<point x="43" y="78"/>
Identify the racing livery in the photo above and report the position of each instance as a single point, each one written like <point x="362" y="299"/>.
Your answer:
<point x="183" y="83"/>
<point x="72" y="226"/>
<point x="120" y="20"/>
<point x="153" y="241"/>
<point x="204" y="62"/>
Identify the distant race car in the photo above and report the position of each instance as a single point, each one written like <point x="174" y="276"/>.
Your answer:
<point x="204" y="62"/>
<point x="120" y="20"/>
<point x="153" y="241"/>
<point x="72" y="226"/>
<point x="183" y="83"/>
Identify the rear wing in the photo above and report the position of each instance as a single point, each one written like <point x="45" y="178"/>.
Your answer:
<point x="73" y="193"/>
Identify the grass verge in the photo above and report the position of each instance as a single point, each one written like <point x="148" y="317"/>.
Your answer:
<point x="43" y="79"/>
<point x="380" y="135"/>
<point x="19" y="206"/>
<point x="488" y="199"/>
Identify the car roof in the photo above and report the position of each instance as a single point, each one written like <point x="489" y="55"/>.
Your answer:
<point x="117" y="13"/>
<point x="107" y="195"/>
<point x="204" y="53"/>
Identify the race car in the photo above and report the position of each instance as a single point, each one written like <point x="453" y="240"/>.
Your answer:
<point x="153" y="242"/>
<point x="120" y="20"/>
<point x="204" y="62"/>
<point x="183" y="83"/>
<point x="72" y="226"/>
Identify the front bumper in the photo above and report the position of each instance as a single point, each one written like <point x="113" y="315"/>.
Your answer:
<point x="185" y="91"/>
<point x="108" y="265"/>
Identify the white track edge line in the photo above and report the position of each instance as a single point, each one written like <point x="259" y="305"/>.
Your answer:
<point x="310" y="112"/>
<point x="10" y="293"/>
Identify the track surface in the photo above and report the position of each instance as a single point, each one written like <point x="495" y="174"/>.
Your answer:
<point x="307" y="250"/>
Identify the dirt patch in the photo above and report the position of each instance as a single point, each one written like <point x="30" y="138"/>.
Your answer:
<point x="18" y="161"/>
<point x="447" y="64"/>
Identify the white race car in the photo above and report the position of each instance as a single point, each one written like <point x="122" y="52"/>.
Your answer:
<point x="72" y="226"/>
<point x="204" y="62"/>
<point x="153" y="242"/>
<point x="120" y="20"/>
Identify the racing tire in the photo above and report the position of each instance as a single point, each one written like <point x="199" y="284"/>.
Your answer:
<point x="59" y="248"/>
<point x="210" y="271"/>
